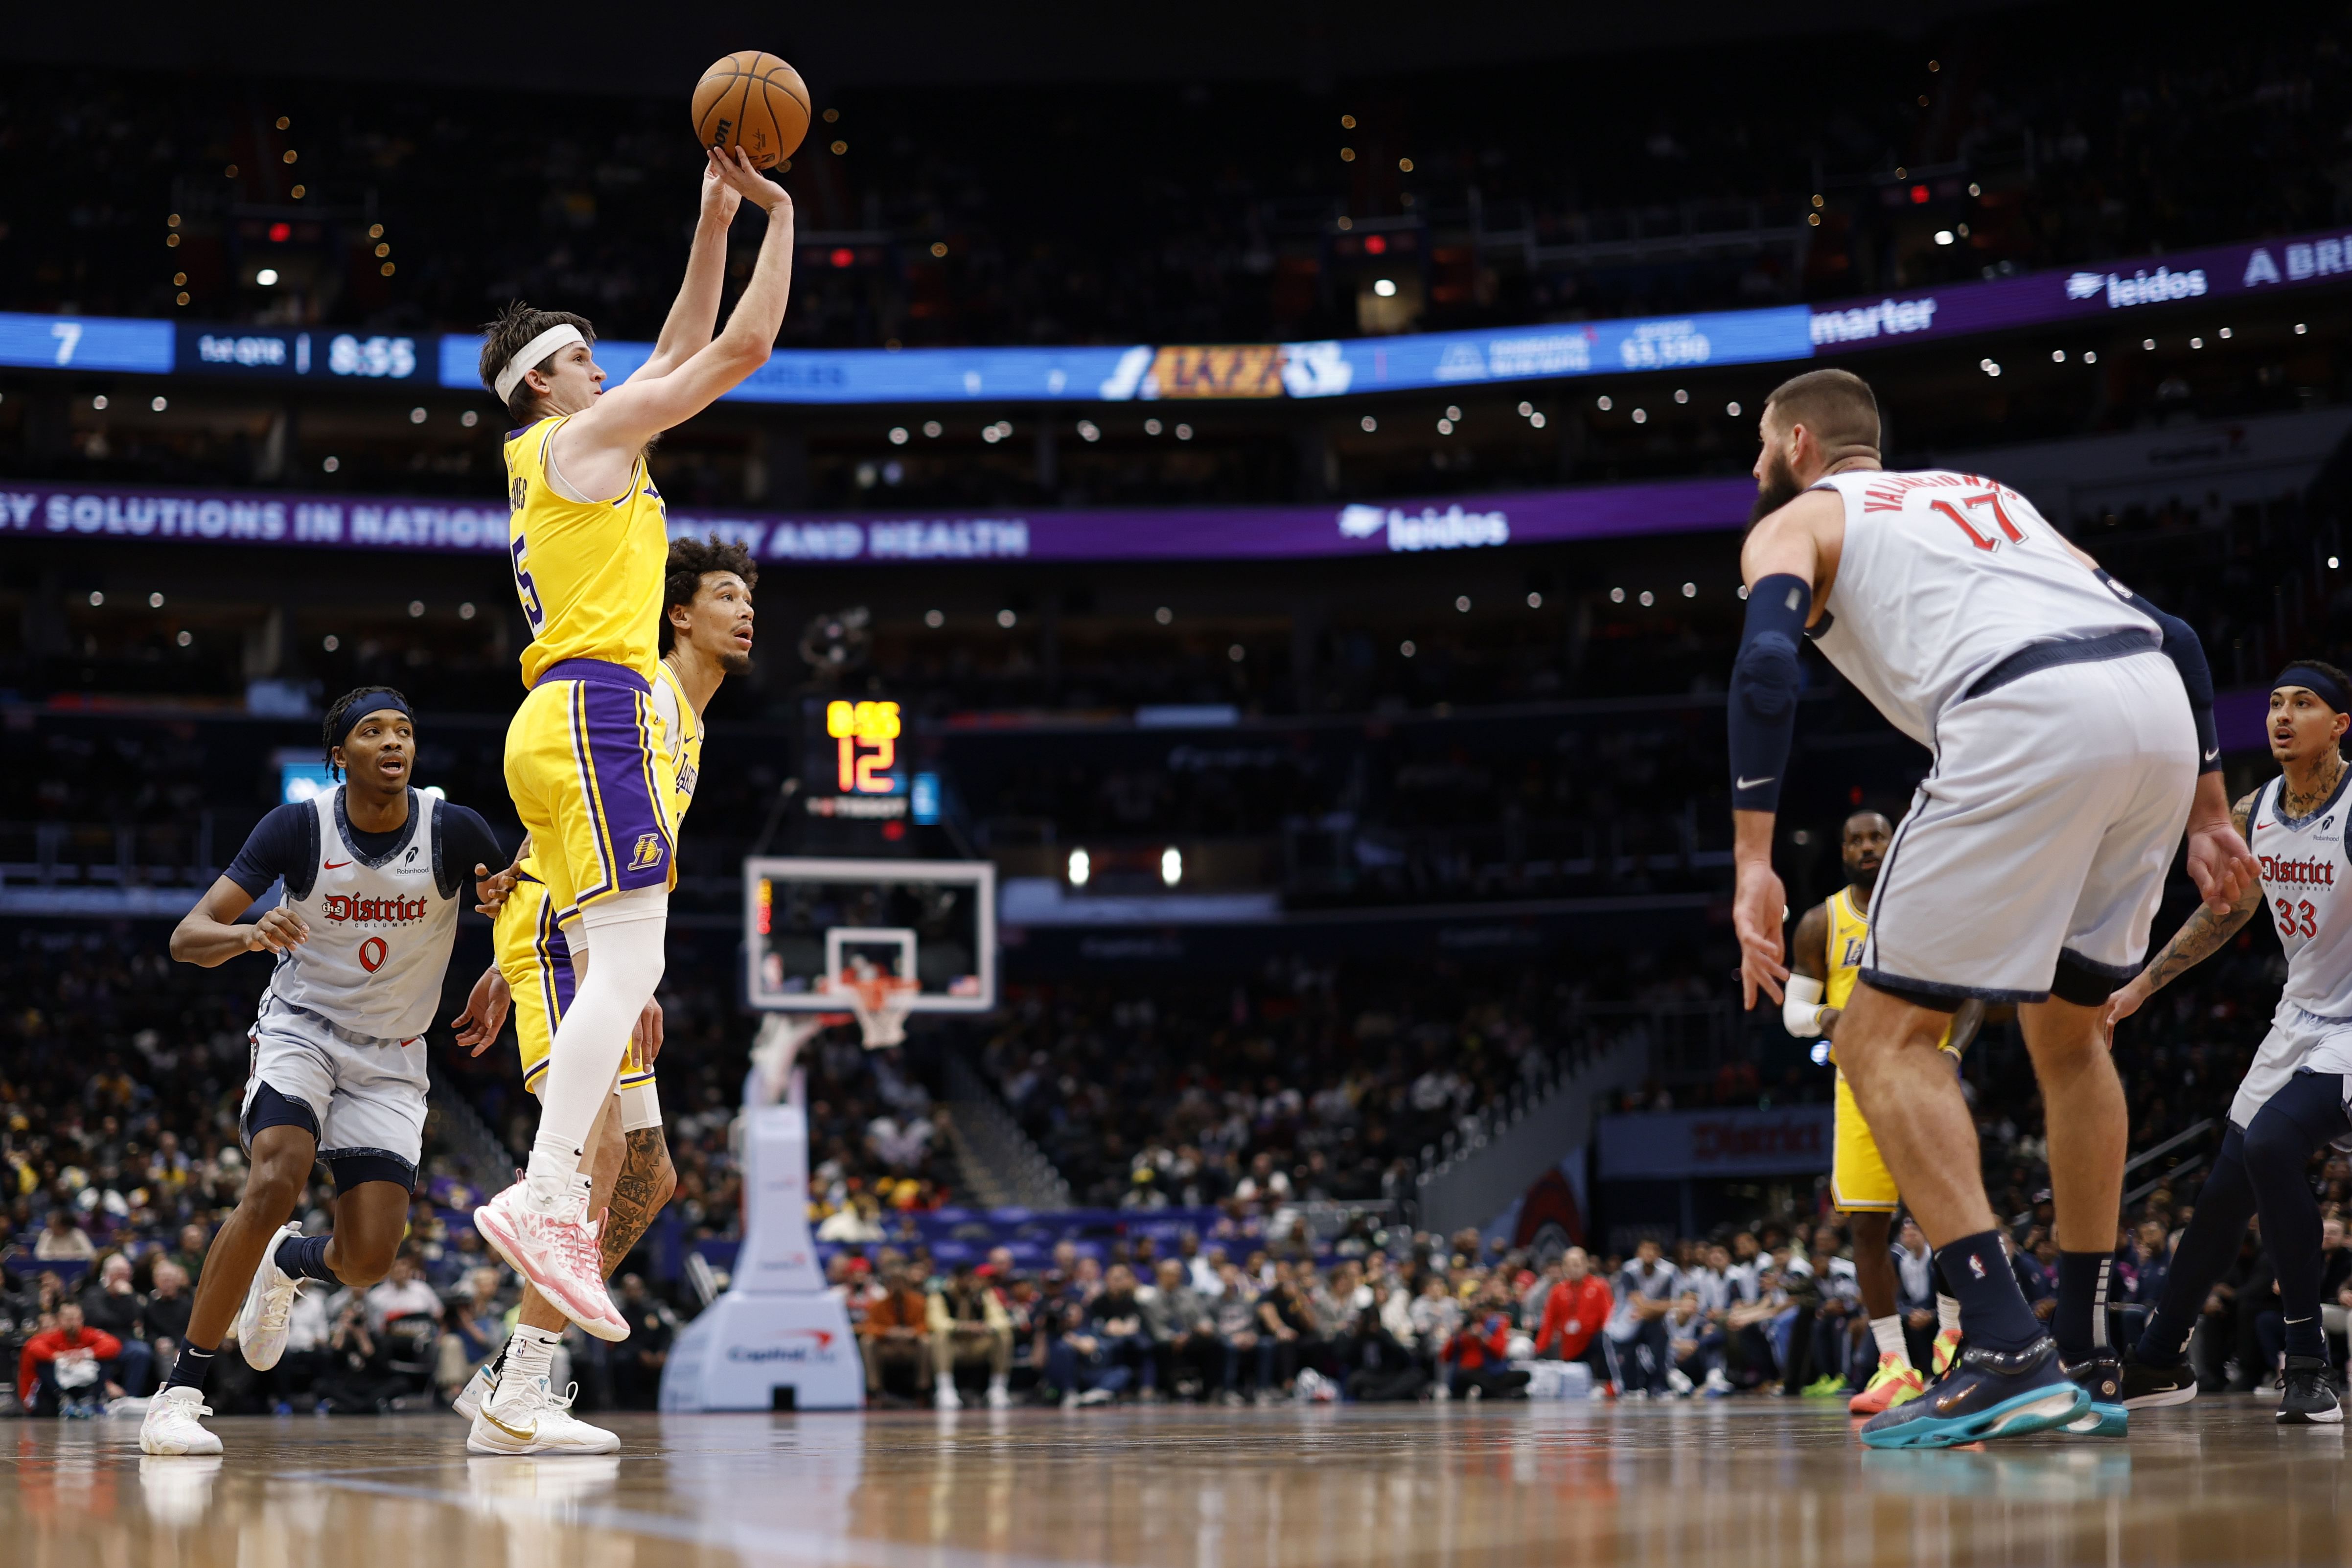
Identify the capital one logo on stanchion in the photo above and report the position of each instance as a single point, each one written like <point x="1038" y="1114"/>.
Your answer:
<point x="794" y="1346"/>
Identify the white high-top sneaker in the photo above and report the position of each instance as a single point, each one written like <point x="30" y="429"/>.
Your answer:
<point x="173" y="1427"/>
<point x="524" y="1416"/>
<point x="554" y="1246"/>
<point x="268" y="1304"/>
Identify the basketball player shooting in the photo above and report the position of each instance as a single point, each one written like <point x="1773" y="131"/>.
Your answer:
<point x="584" y="757"/>
<point x="2071" y="726"/>
<point x="2291" y="1102"/>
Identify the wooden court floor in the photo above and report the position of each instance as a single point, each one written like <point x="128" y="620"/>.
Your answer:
<point x="1749" y="1483"/>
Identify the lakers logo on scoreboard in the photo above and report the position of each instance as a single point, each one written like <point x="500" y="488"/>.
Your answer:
<point x="648" y="852"/>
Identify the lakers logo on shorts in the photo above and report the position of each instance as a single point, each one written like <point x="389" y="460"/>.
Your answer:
<point x="648" y="853"/>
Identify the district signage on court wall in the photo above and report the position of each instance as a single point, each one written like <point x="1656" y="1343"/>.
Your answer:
<point x="1682" y="1145"/>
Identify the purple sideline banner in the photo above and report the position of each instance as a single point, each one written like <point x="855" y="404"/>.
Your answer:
<point x="1129" y="533"/>
<point x="2221" y="271"/>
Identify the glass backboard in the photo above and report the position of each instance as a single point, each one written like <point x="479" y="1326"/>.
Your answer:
<point x="808" y="921"/>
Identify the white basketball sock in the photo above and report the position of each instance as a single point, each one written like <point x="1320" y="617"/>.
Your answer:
<point x="625" y="936"/>
<point x="1888" y="1332"/>
<point x="1948" y="1314"/>
<point x="532" y="1352"/>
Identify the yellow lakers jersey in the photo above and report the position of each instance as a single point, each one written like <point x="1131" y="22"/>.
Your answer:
<point x="1849" y="930"/>
<point x="681" y="745"/>
<point x="589" y="572"/>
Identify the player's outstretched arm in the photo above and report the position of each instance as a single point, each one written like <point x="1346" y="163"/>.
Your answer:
<point x="1780" y="562"/>
<point x="2200" y="936"/>
<point x="2226" y="873"/>
<point x="209" y="935"/>
<point x="620" y="423"/>
<point x="696" y="310"/>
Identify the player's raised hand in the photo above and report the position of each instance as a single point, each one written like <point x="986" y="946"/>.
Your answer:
<point x="486" y="1011"/>
<point x="735" y="168"/>
<point x="719" y="199"/>
<point x="2221" y="865"/>
<point x="1759" y="909"/>
<point x="645" y="1037"/>
<point x="281" y="930"/>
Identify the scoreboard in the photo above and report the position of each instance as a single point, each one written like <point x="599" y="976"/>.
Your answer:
<point x="855" y="767"/>
<point x="866" y="747"/>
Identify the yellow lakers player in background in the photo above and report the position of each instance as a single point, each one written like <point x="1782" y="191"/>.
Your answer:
<point x="1825" y="957"/>
<point x="706" y="636"/>
<point x="588" y="542"/>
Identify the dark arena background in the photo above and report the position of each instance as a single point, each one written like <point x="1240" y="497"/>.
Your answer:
<point x="1256" y="492"/>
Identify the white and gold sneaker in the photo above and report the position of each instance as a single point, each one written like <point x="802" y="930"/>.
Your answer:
<point x="524" y="1416"/>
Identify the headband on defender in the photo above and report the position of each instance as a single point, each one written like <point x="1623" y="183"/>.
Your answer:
<point x="532" y="354"/>
<point x="373" y="703"/>
<point x="2318" y="682"/>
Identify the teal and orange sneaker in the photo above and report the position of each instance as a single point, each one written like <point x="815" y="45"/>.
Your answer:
<point x="1989" y="1394"/>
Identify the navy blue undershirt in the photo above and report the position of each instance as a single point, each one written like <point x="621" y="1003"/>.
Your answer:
<point x="284" y="844"/>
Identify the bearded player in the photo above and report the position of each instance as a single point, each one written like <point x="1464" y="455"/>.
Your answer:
<point x="706" y="636"/>
<point x="589" y="545"/>
<point x="2292" y="1103"/>
<point x="1826" y="956"/>
<point x="2071" y="726"/>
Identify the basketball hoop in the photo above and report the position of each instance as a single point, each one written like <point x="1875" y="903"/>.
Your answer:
<point x="880" y="1002"/>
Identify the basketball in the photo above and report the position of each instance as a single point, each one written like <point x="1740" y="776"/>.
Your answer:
<point x="754" y="101"/>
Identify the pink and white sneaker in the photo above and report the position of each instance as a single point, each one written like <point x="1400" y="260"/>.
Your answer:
<point x="556" y="1248"/>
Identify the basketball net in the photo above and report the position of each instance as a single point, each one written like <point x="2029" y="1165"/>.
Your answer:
<point x="880" y="1002"/>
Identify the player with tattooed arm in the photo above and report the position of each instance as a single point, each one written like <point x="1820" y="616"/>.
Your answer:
<point x="2292" y="1103"/>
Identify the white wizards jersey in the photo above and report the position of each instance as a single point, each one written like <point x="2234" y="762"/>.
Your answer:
<point x="380" y="930"/>
<point x="2304" y="862"/>
<point x="1943" y="575"/>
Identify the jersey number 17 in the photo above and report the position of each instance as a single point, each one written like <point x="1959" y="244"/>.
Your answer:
<point x="1981" y="541"/>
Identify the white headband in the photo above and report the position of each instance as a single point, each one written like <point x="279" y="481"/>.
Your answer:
<point x="530" y="355"/>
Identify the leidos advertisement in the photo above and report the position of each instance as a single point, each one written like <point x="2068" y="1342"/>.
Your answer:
<point x="1331" y="368"/>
